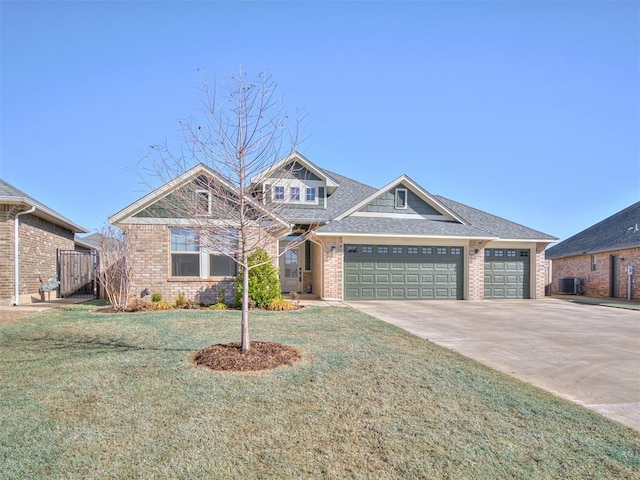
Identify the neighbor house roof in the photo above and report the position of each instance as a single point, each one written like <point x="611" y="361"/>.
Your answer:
<point x="619" y="231"/>
<point x="13" y="196"/>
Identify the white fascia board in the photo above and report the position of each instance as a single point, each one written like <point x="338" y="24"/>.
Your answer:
<point x="45" y="212"/>
<point x="415" y="188"/>
<point x="395" y="235"/>
<point x="524" y="240"/>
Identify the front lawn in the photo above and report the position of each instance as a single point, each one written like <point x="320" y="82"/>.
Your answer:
<point x="88" y="395"/>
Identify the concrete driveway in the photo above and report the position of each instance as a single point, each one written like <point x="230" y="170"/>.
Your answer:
<point x="584" y="353"/>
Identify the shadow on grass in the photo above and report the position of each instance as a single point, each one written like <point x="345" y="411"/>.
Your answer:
<point x="86" y="345"/>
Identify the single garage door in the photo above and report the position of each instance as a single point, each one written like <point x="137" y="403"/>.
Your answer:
<point x="394" y="272"/>
<point x="506" y="273"/>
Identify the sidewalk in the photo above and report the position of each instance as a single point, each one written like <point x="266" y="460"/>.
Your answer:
<point x="603" y="302"/>
<point x="40" y="306"/>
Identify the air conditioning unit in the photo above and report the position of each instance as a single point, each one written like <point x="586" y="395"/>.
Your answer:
<point x="568" y="285"/>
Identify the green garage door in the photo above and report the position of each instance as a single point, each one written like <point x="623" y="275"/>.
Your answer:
<point x="506" y="273"/>
<point x="393" y="272"/>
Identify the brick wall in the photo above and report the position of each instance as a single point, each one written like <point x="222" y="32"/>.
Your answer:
<point x="476" y="271"/>
<point x="597" y="282"/>
<point x="332" y="274"/>
<point x="39" y="242"/>
<point x="151" y="260"/>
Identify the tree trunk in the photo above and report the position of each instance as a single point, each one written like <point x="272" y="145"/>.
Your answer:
<point x="245" y="310"/>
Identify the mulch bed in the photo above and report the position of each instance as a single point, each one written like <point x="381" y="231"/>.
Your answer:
<point x="261" y="356"/>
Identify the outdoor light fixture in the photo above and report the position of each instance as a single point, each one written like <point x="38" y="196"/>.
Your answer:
<point x="334" y="249"/>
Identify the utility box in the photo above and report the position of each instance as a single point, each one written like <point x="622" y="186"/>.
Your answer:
<point x="568" y="285"/>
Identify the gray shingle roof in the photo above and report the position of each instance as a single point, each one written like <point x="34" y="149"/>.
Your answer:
<point x="13" y="195"/>
<point x="479" y="224"/>
<point x="348" y="194"/>
<point x="620" y="230"/>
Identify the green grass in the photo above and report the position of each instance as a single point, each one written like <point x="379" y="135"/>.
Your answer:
<point x="87" y="395"/>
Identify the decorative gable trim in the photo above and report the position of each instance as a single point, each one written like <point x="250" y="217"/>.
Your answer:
<point x="404" y="182"/>
<point x="297" y="157"/>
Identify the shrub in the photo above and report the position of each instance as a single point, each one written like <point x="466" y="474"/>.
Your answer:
<point x="218" y="306"/>
<point x="161" y="305"/>
<point x="280" y="304"/>
<point x="180" y="300"/>
<point x="264" y="280"/>
<point x="138" y="306"/>
<point x="156" y="297"/>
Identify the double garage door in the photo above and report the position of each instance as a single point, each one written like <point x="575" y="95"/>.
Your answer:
<point x="393" y="272"/>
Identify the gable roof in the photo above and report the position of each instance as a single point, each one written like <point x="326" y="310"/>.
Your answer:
<point x="477" y="225"/>
<point x="297" y="157"/>
<point x="620" y="230"/>
<point x="178" y="182"/>
<point x="10" y="195"/>
<point x="415" y="188"/>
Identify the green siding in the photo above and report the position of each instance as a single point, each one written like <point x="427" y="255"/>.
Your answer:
<point x="385" y="203"/>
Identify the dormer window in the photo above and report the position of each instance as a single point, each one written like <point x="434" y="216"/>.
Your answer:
<point x="311" y="194"/>
<point x="401" y="199"/>
<point x="278" y="193"/>
<point x="294" y="194"/>
<point x="202" y="202"/>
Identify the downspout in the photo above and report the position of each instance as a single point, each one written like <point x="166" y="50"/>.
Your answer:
<point x="16" y="254"/>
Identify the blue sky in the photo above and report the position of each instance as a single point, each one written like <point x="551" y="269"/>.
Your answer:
<point x="527" y="110"/>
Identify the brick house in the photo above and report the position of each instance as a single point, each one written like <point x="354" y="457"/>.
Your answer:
<point x="31" y="235"/>
<point x="396" y="242"/>
<point x="600" y="255"/>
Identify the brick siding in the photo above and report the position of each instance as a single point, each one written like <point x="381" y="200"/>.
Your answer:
<point x="40" y="241"/>
<point x="476" y="271"/>
<point x="598" y="281"/>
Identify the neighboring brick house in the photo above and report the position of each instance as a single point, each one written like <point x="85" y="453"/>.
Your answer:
<point x="397" y="242"/>
<point x="600" y="256"/>
<point x="41" y="234"/>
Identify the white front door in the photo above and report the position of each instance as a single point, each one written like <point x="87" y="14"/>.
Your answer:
<point x="290" y="269"/>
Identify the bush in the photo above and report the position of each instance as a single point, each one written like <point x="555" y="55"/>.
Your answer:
<point x="161" y="305"/>
<point x="218" y="306"/>
<point x="138" y="306"/>
<point x="280" y="304"/>
<point x="180" y="300"/>
<point x="156" y="297"/>
<point x="264" y="280"/>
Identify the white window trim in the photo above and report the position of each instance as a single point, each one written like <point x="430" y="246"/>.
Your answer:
<point x="397" y="197"/>
<point x="197" y="203"/>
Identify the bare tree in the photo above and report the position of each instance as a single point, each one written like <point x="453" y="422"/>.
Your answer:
<point x="243" y="131"/>
<point x="115" y="269"/>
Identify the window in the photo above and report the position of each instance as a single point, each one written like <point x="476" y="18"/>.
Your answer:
<point x="278" y="193"/>
<point x="498" y="253"/>
<point x="401" y="198"/>
<point x="524" y="253"/>
<point x="222" y="266"/>
<point x="593" y="263"/>
<point x="188" y="259"/>
<point x="367" y="249"/>
<point x="294" y="194"/>
<point x="185" y="253"/>
<point x="412" y="250"/>
<point x="456" y="251"/>
<point x="202" y="202"/>
<point x="311" y="194"/>
<point x="307" y="255"/>
<point x="352" y="249"/>
<point x="396" y="250"/>
<point x="427" y="250"/>
<point x="383" y="249"/>
<point x="441" y="251"/>
<point x="511" y="253"/>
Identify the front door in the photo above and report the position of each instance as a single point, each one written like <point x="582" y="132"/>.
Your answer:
<point x="290" y="269"/>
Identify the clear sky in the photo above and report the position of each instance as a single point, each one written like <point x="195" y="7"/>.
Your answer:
<point x="529" y="110"/>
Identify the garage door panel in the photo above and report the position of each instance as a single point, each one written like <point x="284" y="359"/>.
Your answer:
<point x="506" y="273"/>
<point x="400" y="272"/>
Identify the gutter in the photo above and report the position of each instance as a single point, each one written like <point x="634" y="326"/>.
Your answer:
<point x="16" y="253"/>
